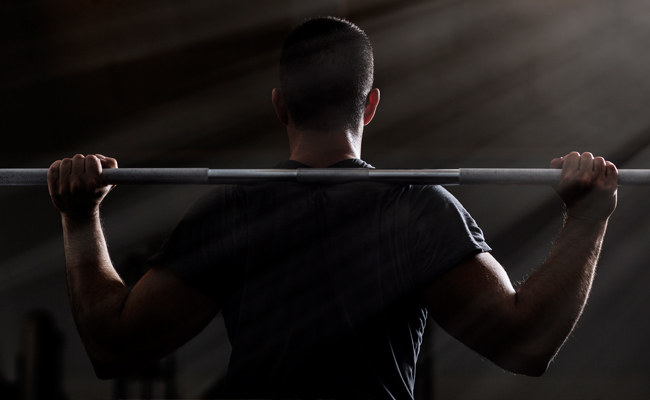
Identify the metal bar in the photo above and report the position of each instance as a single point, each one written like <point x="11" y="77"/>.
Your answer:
<point x="462" y="176"/>
<point x="509" y="176"/>
<point x="35" y="176"/>
<point x="156" y="175"/>
<point x="216" y="176"/>
<point x="417" y="176"/>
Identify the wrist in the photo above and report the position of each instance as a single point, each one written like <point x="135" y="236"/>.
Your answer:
<point x="579" y="213"/>
<point x="577" y="217"/>
<point x="77" y="219"/>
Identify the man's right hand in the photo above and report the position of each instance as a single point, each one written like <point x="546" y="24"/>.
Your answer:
<point x="588" y="185"/>
<point x="76" y="186"/>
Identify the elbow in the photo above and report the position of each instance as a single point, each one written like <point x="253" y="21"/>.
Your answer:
<point x="525" y="353"/>
<point x="533" y="365"/>
<point x="112" y="356"/>
<point x="118" y="358"/>
<point x="114" y="368"/>
<point x="105" y="372"/>
<point x="532" y="368"/>
<point x="109" y="364"/>
<point x="536" y="372"/>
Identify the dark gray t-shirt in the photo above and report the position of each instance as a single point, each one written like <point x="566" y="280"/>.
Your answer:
<point x="320" y="285"/>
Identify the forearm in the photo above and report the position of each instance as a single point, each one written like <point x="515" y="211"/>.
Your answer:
<point x="97" y="294"/>
<point x="123" y="331"/>
<point x="522" y="330"/>
<point x="550" y="302"/>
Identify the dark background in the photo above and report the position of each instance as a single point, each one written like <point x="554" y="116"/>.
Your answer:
<point x="464" y="83"/>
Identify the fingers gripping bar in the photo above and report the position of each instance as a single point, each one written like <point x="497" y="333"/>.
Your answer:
<point x="461" y="176"/>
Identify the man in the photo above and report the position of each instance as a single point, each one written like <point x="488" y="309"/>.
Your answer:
<point x="325" y="289"/>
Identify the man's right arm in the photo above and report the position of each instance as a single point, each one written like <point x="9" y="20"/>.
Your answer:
<point x="123" y="330"/>
<point x="522" y="330"/>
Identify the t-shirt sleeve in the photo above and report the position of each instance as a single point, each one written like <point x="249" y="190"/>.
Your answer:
<point x="443" y="233"/>
<point x="207" y="246"/>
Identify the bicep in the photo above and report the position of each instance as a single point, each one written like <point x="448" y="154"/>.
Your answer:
<point x="161" y="313"/>
<point x="474" y="302"/>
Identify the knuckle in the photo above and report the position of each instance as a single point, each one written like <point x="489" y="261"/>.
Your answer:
<point x="585" y="180"/>
<point x="75" y="186"/>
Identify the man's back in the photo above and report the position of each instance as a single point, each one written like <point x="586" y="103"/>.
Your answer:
<point x="321" y="290"/>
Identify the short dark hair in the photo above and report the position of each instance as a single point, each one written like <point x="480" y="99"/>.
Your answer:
<point x="326" y="74"/>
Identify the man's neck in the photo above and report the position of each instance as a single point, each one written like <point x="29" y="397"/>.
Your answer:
<point x="322" y="149"/>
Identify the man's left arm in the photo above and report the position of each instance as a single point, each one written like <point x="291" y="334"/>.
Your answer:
<point x="522" y="330"/>
<point x="123" y="331"/>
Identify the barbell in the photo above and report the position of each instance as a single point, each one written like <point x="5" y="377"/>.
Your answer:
<point x="459" y="176"/>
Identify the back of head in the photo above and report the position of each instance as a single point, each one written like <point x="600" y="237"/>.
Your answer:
<point x="326" y="73"/>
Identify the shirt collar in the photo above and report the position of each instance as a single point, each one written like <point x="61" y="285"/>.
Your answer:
<point x="349" y="163"/>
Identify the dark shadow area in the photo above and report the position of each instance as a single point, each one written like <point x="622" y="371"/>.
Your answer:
<point x="40" y="362"/>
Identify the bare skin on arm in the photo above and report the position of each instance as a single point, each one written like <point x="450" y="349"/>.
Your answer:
<point x="522" y="330"/>
<point x="123" y="331"/>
